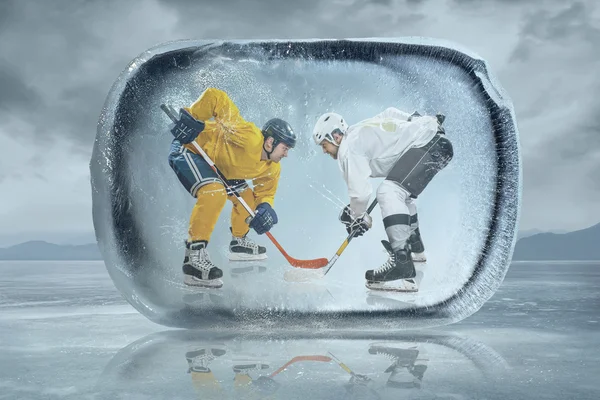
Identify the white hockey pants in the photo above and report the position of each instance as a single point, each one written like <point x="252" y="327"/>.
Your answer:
<point x="399" y="213"/>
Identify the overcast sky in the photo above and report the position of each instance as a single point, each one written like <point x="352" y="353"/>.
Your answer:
<point x="59" y="58"/>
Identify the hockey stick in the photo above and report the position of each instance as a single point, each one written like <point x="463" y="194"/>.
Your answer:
<point x="269" y="385"/>
<point x="310" y="264"/>
<point x="359" y="377"/>
<point x="303" y="276"/>
<point x="301" y="358"/>
<point x="346" y="242"/>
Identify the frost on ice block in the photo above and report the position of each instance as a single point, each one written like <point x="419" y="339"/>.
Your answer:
<point x="151" y="193"/>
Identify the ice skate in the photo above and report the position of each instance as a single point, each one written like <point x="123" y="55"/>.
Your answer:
<point x="408" y="363"/>
<point x="244" y="249"/>
<point x="416" y="247"/>
<point x="245" y="367"/>
<point x="242" y="372"/>
<point x="397" y="274"/>
<point x="198" y="358"/>
<point x="203" y="378"/>
<point x="387" y="299"/>
<point x="198" y="269"/>
<point x="399" y="285"/>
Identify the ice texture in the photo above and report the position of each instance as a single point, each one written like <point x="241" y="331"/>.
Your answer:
<point x="468" y="214"/>
<point x="415" y="366"/>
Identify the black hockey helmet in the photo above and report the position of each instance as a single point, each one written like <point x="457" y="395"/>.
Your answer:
<point x="281" y="132"/>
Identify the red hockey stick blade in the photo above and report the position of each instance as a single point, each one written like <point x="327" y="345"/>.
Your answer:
<point x="294" y="262"/>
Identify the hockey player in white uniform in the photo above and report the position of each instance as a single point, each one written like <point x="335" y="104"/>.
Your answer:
<point x="408" y="150"/>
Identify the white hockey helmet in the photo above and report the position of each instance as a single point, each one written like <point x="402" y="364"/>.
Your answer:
<point x="327" y="125"/>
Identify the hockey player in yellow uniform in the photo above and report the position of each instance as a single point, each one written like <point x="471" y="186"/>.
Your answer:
<point x="241" y="151"/>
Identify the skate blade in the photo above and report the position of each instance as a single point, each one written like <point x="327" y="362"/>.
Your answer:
<point x="247" y="257"/>
<point x="212" y="349"/>
<point x="195" y="282"/>
<point x="241" y="366"/>
<point x="419" y="258"/>
<point x="402" y="287"/>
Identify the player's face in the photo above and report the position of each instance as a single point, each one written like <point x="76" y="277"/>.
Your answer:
<point x="281" y="151"/>
<point x="329" y="148"/>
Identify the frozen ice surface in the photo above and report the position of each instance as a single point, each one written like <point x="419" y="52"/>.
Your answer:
<point x="422" y="366"/>
<point x="66" y="333"/>
<point x="468" y="214"/>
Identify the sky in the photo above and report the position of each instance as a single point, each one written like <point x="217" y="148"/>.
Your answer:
<point x="58" y="60"/>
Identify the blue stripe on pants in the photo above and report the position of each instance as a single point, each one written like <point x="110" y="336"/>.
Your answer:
<point x="194" y="172"/>
<point x="191" y="169"/>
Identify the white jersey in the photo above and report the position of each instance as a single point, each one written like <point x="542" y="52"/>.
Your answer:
<point x="371" y="147"/>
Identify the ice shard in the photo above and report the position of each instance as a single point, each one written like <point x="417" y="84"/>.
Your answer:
<point x="468" y="214"/>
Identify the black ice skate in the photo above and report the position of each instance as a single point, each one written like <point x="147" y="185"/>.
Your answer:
<point x="242" y="378"/>
<point x="397" y="274"/>
<point x="244" y="249"/>
<point x="198" y="269"/>
<point x="409" y="363"/>
<point x="198" y="358"/>
<point x="245" y="368"/>
<point x="416" y="247"/>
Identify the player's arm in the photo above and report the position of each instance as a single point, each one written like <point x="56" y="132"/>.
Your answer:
<point x="214" y="103"/>
<point x="357" y="172"/>
<point x="265" y="185"/>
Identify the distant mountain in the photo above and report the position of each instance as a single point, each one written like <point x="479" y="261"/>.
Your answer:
<point x="531" y="232"/>
<point x="40" y="250"/>
<point x="578" y="245"/>
<point x="527" y="233"/>
<point x="532" y="245"/>
<point x="60" y="238"/>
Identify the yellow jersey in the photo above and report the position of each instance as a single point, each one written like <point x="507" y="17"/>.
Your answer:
<point x="234" y="144"/>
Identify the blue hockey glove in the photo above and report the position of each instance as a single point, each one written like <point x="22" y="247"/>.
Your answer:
<point x="264" y="219"/>
<point x="187" y="128"/>
<point x="360" y="224"/>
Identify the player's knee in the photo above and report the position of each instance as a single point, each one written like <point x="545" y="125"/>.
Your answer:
<point x="389" y="190"/>
<point x="214" y="192"/>
<point x="248" y="196"/>
<point x="384" y="190"/>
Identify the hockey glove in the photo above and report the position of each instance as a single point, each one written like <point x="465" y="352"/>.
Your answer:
<point x="440" y="119"/>
<point x="187" y="128"/>
<point x="360" y="224"/>
<point x="264" y="218"/>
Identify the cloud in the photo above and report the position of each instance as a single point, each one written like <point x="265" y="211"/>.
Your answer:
<point x="15" y="92"/>
<point x="58" y="60"/>
<point x="62" y="58"/>
<point x="551" y="77"/>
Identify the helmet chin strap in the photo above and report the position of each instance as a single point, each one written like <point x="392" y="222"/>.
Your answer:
<point x="267" y="151"/>
<point x="332" y="140"/>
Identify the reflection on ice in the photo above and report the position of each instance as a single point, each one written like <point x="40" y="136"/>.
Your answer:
<point x="202" y="365"/>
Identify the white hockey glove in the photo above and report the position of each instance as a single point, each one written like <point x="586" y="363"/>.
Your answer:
<point x="360" y="224"/>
